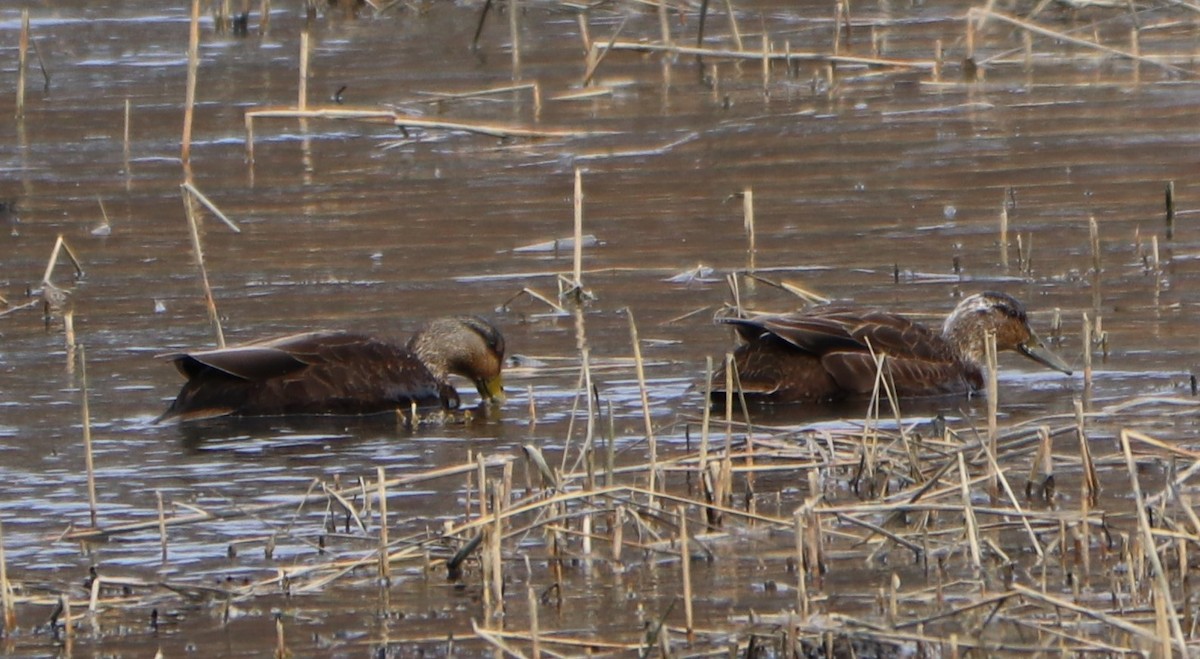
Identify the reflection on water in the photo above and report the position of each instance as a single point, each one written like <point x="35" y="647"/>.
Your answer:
<point x="881" y="186"/>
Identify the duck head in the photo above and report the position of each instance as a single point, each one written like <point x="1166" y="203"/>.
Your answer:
<point x="463" y="345"/>
<point x="968" y="326"/>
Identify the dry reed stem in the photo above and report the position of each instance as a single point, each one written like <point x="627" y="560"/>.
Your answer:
<point x="514" y="35"/>
<point x="162" y="524"/>
<point x="595" y="57"/>
<point x="685" y="565"/>
<point x="210" y="302"/>
<point x="406" y="121"/>
<point x="60" y="246"/>
<point x="244" y="511"/>
<point x="1162" y="589"/>
<point x="441" y="97"/>
<point x="664" y="26"/>
<point x="208" y="203"/>
<point x="787" y="56"/>
<point x="644" y="393"/>
<point x="89" y="463"/>
<point x="189" y="106"/>
<point x="993" y="386"/>
<point x="22" y="60"/>
<point x="302" y="84"/>
<point x="972" y="526"/>
<point x="385" y="573"/>
<point x="1004" y="236"/>
<point x="6" y="591"/>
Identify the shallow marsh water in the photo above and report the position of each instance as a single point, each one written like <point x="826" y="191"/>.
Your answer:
<point x="880" y="186"/>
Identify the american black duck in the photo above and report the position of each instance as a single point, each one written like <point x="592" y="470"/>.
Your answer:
<point x="825" y="354"/>
<point x="341" y="372"/>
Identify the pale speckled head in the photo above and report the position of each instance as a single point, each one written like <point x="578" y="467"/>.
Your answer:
<point x="463" y="345"/>
<point x="968" y="326"/>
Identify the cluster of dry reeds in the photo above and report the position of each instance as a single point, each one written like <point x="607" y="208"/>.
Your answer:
<point x="913" y="538"/>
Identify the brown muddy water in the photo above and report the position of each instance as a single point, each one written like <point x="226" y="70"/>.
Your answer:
<point x="881" y="185"/>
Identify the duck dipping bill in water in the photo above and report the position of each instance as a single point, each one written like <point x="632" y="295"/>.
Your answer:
<point x="341" y="372"/>
<point x="825" y="354"/>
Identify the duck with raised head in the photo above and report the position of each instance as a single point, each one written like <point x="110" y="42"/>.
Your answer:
<point x="341" y="372"/>
<point x="826" y="354"/>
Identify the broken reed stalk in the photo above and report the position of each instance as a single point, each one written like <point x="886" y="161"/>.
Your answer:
<point x="302" y="85"/>
<point x="577" y="205"/>
<point x="1162" y="589"/>
<point x="685" y="564"/>
<point x="384" y="564"/>
<point x="6" y="596"/>
<point x="596" y="57"/>
<point x="22" y="63"/>
<point x="1087" y="352"/>
<point x="207" y="203"/>
<point x="60" y="246"/>
<point x="645" y="397"/>
<point x="189" y="107"/>
<point x="89" y="463"/>
<point x="189" y="206"/>
<point x="281" y="651"/>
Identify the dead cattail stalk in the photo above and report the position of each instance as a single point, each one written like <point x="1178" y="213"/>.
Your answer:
<point x="766" y="67"/>
<point x="645" y="397"/>
<point x="685" y="562"/>
<point x="22" y="62"/>
<point x="384" y="563"/>
<point x="87" y="435"/>
<point x="6" y="594"/>
<point x="189" y="108"/>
